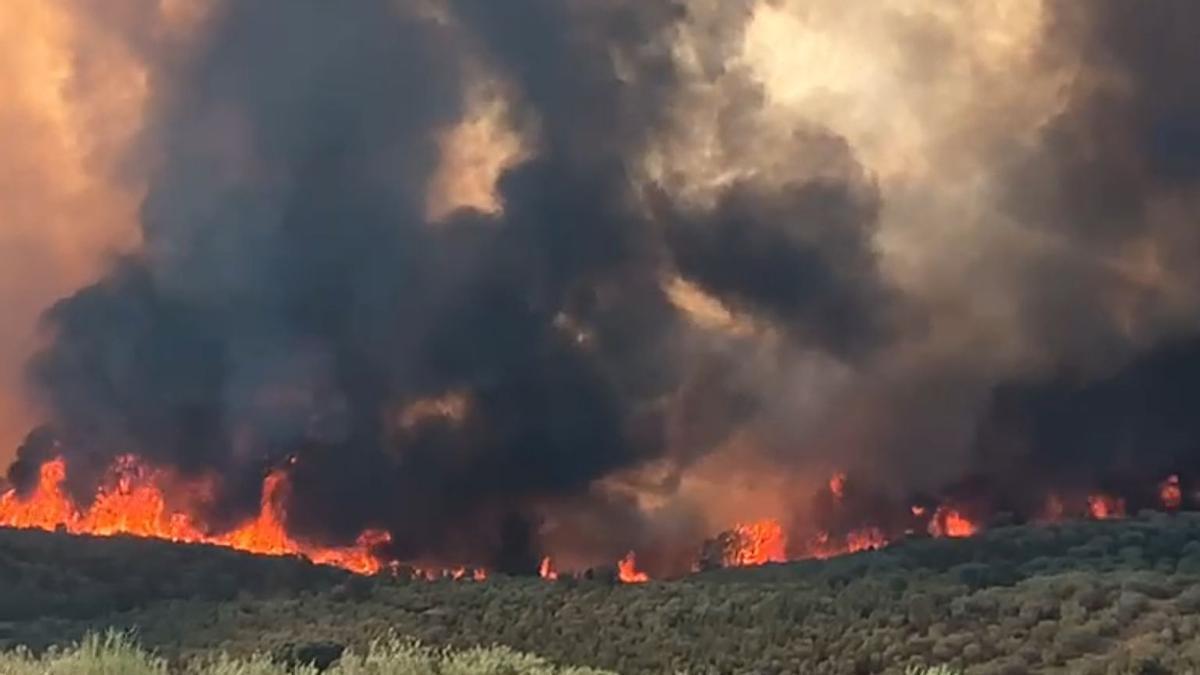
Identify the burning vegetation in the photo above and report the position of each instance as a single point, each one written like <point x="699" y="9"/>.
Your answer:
<point x="133" y="503"/>
<point x="476" y="287"/>
<point x="133" y="500"/>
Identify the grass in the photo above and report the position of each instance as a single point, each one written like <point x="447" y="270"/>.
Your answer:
<point x="114" y="653"/>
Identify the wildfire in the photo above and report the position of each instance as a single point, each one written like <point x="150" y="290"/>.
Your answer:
<point x="756" y="543"/>
<point x="440" y="573"/>
<point x="1170" y="493"/>
<point x="823" y="545"/>
<point x="837" y="485"/>
<point x="134" y="504"/>
<point x="627" y="570"/>
<point x="546" y="569"/>
<point x="949" y="522"/>
<point x="1105" y="507"/>
<point x="1054" y="509"/>
<point x="866" y="539"/>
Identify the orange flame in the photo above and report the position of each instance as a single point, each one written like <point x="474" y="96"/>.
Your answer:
<point x="1105" y="507"/>
<point x="627" y="570"/>
<point x="837" y="485"/>
<point x="866" y="539"/>
<point x="546" y="569"/>
<point x="756" y="543"/>
<point x="134" y="505"/>
<point x="824" y="545"/>
<point x="1170" y="493"/>
<point x="949" y="522"/>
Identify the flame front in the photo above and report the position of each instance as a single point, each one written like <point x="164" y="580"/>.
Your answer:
<point x="756" y="543"/>
<point x="134" y="505"/>
<point x="1106" y="507"/>
<point x="132" y="502"/>
<point x="1171" y="493"/>
<point x="950" y="522"/>
<point x="627" y="570"/>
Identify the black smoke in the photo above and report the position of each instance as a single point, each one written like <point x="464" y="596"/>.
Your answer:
<point x="1118" y="167"/>
<point x="291" y="300"/>
<point x="1116" y="412"/>
<point x="1122" y="434"/>
<point x="292" y="304"/>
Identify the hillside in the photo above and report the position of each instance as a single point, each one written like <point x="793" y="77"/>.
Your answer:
<point x="1082" y="597"/>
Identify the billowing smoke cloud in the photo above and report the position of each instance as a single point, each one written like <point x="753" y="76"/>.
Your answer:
<point x="1122" y="433"/>
<point x="292" y="303"/>
<point x="64" y="207"/>
<point x="1113" y="181"/>
<point x="712" y="244"/>
<point x="1116" y="179"/>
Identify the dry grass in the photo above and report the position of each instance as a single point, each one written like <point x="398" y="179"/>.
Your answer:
<point x="115" y="653"/>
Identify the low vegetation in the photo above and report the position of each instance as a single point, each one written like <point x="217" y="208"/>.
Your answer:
<point x="115" y="654"/>
<point x="1119" y="598"/>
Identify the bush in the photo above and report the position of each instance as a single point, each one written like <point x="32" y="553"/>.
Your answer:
<point x="970" y="603"/>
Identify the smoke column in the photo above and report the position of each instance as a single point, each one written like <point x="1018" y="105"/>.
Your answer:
<point x="509" y="278"/>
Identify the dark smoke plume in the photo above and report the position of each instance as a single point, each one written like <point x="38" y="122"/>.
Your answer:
<point x="454" y="380"/>
<point x="291" y="301"/>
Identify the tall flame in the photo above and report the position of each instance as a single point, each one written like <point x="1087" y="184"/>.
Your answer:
<point x="132" y="502"/>
<point x="134" y="505"/>
<point x="627" y="570"/>
<point x="950" y="522"/>
<point x="756" y="543"/>
<point x="1106" y="507"/>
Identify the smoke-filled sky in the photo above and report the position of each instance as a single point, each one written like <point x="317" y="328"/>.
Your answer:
<point x="508" y="277"/>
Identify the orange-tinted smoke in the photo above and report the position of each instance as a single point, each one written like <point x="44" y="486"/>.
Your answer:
<point x="62" y="211"/>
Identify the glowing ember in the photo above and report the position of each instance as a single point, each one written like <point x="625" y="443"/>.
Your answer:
<point x="1170" y="493"/>
<point x="756" y="543"/>
<point x="1054" y="509"/>
<point x="627" y="570"/>
<point x="837" y="485"/>
<point x="546" y="569"/>
<point x="949" y="522"/>
<point x="134" y="504"/>
<point x="823" y="545"/>
<point x="1105" y="507"/>
<point x="866" y="539"/>
<point x="917" y="510"/>
<point x="441" y="573"/>
<point x="456" y="574"/>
